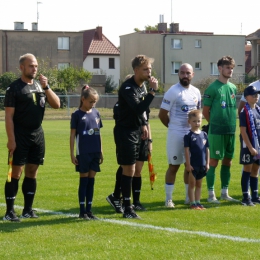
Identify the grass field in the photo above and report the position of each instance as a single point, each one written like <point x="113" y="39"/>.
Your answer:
<point x="226" y="231"/>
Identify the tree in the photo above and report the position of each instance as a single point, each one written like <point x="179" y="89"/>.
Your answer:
<point x="72" y="77"/>
<point x="110" y="84"/>
<point x="6" y="79"/>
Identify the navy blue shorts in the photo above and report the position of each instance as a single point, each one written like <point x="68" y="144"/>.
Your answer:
<point x="199" y="172"/>
<point x="87" y="162"/>
<point x="245" y="155"/>
<point x="30" y="147"/>
<point x="127" y="145"/>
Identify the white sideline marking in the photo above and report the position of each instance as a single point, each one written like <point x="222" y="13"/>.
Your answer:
<point x="146" y="226"/>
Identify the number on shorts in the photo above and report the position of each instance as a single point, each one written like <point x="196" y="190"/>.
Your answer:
<point x="246" y="158"/>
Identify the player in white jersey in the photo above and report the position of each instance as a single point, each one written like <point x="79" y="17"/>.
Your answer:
<point x="177" y="102"/>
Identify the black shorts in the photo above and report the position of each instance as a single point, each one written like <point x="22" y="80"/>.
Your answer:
<point x="30" y="147"/>
<point x="143" y="151"/>
<point x="87" y="162"/>
<point x="127" y="145"/>
<point x="199" y="172"/>
<point x="245" y="155"/>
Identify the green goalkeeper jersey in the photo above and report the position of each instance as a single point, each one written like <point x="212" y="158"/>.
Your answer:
<point x="221" y="98"/>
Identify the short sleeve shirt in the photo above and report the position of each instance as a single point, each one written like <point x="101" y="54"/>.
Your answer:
<point x="29" y="103"/>
<point x="221" y="98"/>
<point x="179" y="101"/>
<point x="198" y="144"/>
<point x="87" y="127"/>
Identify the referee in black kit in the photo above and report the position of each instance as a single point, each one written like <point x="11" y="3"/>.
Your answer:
<point x="24" y="110"/>
<point x="131" y="125"/>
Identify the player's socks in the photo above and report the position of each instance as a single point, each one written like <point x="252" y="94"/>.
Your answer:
<point x="225" y="176"/>
<point x="89" y="193"/>
<point x="254" y="187"/>
<point x="136" y="188"/>
<point x="11" y="189"/>
<point x="83" y="182"/>
<point x="210" y="177"/>
<point x="117" y="190"/>
<point x="169" y="187"/>
<point x="245" y="184"/>
<point x="126" y="186"/>
<point x="29" y="189"/>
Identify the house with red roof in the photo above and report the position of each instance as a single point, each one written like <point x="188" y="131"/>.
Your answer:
<point x="89" y="49"/>
<point x="100" y="56"/>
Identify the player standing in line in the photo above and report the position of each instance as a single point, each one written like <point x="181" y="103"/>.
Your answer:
<point x="249" y="118"/>
<point x="220" y="111"/>
<point x="145" y="146"/>
<point x="24" y="111"/>
<point x="131" y="126"/>
<point x="177" y="102"/>
<point x="196" y="147"/>
<point x="85" y="131"/>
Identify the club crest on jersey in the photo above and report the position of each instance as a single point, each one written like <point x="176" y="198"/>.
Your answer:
<point x="42" y="102"/>
<point x="97" y="120"/>
<point x="223" y="104"/>
<point x="174" y="157"/>
<point x="194" y="139"/>
<point x="204" y="141"/>
<point x="195" y="100"/>
<point x="185" y="108"/>
<point x="233" y="96"/>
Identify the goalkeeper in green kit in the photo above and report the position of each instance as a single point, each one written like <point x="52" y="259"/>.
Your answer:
<point x="219" y="109"/>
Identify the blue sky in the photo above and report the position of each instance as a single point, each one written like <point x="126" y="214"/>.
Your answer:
<point x="119" y="17"/>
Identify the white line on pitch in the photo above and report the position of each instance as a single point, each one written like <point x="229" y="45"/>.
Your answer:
<point x="146" y="226"/>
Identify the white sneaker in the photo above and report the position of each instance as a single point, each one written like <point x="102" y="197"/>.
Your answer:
<point x="187" y="202"/>
<point x="169" y="204"/>
<point x="213" y="200"/>
<point x="228" y="198"/>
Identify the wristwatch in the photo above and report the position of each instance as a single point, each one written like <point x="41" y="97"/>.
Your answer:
<point x="46" y="88"/>
<point x="152" y="90"/>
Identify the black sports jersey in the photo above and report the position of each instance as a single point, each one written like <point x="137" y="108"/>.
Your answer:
<point x="29" y="103"/>
<point x="132" y="104"/>
<point x="143" y="92"/>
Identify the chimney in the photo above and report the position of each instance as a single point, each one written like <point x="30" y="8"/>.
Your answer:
<point x="18" y="25"/>
<point x="34" y="26"/>
<point x="175" y="27"/>
<point x="99" y="33"/>
<point x="162" y="26"/>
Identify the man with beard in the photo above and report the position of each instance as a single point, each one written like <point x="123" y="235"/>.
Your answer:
<point x="24" y="110"/>
<point x="220" y="111"/>
<point x="177" y="102"/>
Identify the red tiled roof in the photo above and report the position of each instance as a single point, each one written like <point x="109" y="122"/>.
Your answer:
<point x="93" y="43"/>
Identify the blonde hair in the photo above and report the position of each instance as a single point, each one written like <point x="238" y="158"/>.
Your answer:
<point x="194" y="113"/>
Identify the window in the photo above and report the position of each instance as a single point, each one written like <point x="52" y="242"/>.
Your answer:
<point x="176" y="43"/>
<point x="213" y="68"/>
<point x="111" y="63"/>
<point x="96" y="63"/>
<point x="62" y="66"/>
<point x="197" y="43"/>
<point x="197" y="65"/>
<point x="63" y="43"/>
<point x="175" y="67"/>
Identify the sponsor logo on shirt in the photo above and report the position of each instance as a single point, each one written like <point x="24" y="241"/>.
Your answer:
<point x="223" y="104"/>
<point x="185" y="108"/>
<point x="206" y="96"/>
<point x="166" y="101"/>
<point x="91" y="131"/>
<point x="127" y="87"/>
<point x="217" y="152"/>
